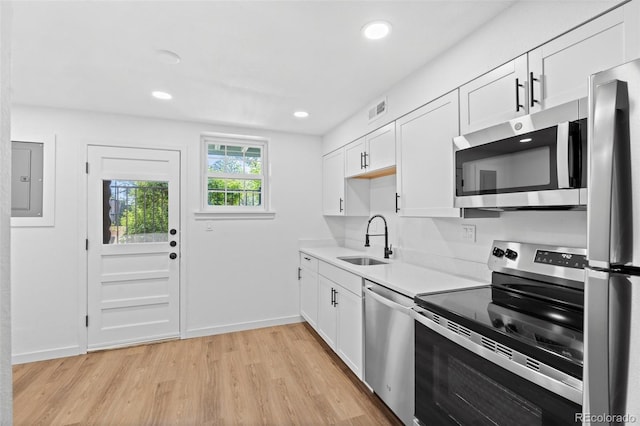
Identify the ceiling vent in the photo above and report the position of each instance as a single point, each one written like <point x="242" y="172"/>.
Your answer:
<point x="378" y="109"/>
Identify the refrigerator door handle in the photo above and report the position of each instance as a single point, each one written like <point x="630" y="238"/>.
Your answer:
<point x="611" y="100"/>
<point x="596" y="343"/>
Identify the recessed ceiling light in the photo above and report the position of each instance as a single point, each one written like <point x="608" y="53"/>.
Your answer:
<point x="525" y="140"/>
<point x="161" y="95"/>
<point x="301" y="114"/>
<point x="376" y="30"/>
<point x="168" y="57"/>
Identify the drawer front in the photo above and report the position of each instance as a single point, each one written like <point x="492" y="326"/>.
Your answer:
<point x="308" y="262"/>
<point x="345" y="279"/>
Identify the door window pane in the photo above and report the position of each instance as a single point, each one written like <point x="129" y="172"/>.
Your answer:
<point x="135" y="211"/>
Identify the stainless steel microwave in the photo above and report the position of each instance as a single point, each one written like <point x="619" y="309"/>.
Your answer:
<point x="534" y="161"/>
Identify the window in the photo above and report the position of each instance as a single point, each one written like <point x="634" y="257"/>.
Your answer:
<point x="235" y="177"/>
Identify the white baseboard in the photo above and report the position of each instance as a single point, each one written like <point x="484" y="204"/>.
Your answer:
<point x="46" y="354"/>
<point x="210" y="331"/>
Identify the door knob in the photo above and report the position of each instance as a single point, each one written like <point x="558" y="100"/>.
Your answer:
<point x="172" y="256"/>
<point x="173" y="232"/>
<point x="173" y="243"/>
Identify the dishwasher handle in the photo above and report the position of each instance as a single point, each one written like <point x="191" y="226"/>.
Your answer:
<point x="389" y="303"/>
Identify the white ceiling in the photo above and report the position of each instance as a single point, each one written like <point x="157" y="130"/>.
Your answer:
<point x="247" y="63"/>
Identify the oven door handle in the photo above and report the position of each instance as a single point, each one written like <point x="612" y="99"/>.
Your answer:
<point x="388" y="303"/>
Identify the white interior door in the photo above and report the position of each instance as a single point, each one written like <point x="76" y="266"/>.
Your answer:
<point x="133" y="246"/>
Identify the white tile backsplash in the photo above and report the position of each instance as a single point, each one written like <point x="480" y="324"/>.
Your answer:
<point x="437" y="242"/>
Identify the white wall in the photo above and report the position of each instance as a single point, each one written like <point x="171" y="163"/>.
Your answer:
<point x="438" y="243"/>
<point x="6" y="385"/>
<point x="241" y="274"/>
<point x="520" y="28"/>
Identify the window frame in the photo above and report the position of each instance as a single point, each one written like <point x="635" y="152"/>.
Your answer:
<point x="234" y="212"/>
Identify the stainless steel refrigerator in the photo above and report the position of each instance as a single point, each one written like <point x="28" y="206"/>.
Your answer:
<point x="612" y="287"/>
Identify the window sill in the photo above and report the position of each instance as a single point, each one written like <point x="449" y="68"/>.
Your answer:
<point x="237" y="215"/>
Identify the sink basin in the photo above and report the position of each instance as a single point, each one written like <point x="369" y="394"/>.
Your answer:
<point x="362" y="260"/>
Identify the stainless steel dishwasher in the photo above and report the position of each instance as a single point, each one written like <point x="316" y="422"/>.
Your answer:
<point x="389" y="348"/>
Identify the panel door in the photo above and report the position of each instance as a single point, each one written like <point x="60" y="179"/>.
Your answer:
<point x="561" y="68"/>
<point x="381" y="147"/>
<point x="354" y="154"/>
<point x="425" y="174"/>
<point x="333" y="183"/>
<point x="133" y="246"/>
<point x="309" y="296"/>
<point x="349" y="329"/>
<point x="327" y="316"/>
<point x="494" y="97"/>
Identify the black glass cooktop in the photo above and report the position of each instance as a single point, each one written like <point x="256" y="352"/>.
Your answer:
<point x="543" y="321"/>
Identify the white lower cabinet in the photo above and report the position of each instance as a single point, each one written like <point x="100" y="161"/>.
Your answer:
<point x="349" y="326"/>
<point x="340" y="314"/>
<point x="327" y="313"/>
<point x="309" y="296"/>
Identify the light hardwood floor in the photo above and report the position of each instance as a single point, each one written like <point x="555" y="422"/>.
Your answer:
<point x="277" y="376"/>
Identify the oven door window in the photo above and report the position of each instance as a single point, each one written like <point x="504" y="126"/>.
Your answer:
<point x="521" y="163"/>
<point x="457" y="387"/>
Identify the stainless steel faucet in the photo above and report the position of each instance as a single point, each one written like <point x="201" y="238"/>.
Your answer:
<point x="387" y="246"/>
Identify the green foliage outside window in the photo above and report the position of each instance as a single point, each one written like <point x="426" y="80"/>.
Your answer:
<point x="148" y="212"/>
<point x="235" y="175"/>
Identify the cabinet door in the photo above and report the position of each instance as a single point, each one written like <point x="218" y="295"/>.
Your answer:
<point x="354" y="157"/>
<point x="309" y="296"/>
<point x="425" y="174"/>
<point x="327" y="314"/>
<point x="350" y="329"/>
<point x="494" y="97"/>
<point x="333" y="183"/>
<point x="561" y="68"/>
<point x="381" y="148"/>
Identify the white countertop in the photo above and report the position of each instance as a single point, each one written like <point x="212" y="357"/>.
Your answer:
<point x="396" y="275"/>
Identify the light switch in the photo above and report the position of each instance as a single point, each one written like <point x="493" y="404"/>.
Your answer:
<point x="469" y="233"/>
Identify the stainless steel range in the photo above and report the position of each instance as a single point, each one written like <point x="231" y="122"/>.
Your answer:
<point x="509" y="353"/>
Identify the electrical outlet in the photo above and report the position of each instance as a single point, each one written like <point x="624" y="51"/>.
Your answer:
<point x="209" y="226"/>
<point x="469" y="233"/>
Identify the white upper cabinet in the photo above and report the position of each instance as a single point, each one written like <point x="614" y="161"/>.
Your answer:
<point x="494" y="97"/>
<point x="340" y="196"/>
<point x="381" y="148"/>
<point x="372" y="153"/>
<point x="425" y="159"/>
<point x="333" y="183"/>
<point x="354" y="157"/>
<point x="555" y="73"/>
<point x="560" y="69"/>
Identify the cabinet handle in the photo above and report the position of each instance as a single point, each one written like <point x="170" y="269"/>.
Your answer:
<point x="361" y="160"/>
<point x="332" y="296"/>
<point x="533" y="98"/>
<point x="518" y="86"/>
<point x="341" y="205"/>
<point x="307" y="258"/>
<point x="299" y="273"/>
<point x="397" y="197"/>
<point x="365" y="160"/>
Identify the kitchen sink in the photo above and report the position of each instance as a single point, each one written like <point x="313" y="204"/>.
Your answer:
<point x="362" y="260"/>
